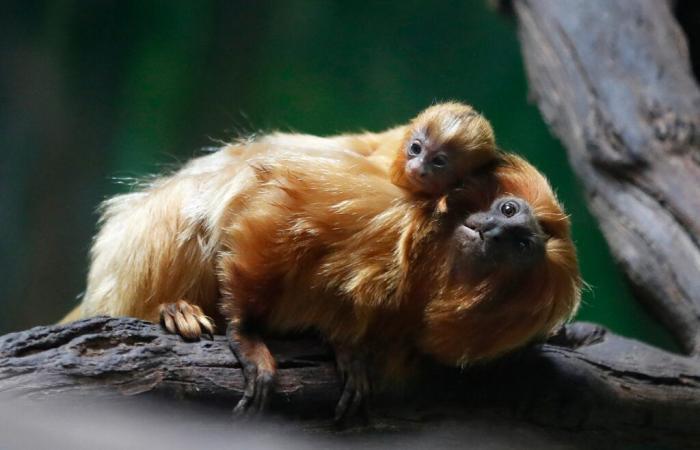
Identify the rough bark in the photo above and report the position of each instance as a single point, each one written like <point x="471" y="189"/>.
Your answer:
<point x="612" y="78"/>
<point x="585" y="379"/>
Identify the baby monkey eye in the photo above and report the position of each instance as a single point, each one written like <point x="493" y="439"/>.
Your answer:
<point x="415" y="148"/>
<point x="509" y="209"/>
<point x="440" y="161"/>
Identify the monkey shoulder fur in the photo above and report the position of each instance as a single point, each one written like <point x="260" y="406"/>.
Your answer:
<point x="286" y="237"/>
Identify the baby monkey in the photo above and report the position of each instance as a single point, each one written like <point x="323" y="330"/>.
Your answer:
<point x="426" y="157"/>
<point x="439" y="147"/>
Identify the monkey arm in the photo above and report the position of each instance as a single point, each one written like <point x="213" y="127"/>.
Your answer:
<point x="258" y="365"/>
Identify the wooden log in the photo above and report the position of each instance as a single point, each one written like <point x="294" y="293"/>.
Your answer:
<point x="612" y="79"/>
<point x="584" y="379"/>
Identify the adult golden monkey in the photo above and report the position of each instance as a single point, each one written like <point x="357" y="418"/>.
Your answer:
<point x="328" y="245"/>
<point x="318" y="239"/>
<point x="425" y="157"/>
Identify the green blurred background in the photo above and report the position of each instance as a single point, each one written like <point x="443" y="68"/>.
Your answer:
<point x="93" y="90"/>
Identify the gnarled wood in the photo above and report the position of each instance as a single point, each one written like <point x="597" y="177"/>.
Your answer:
<point x="613" y="80"/>
<point x="584" y="379"/>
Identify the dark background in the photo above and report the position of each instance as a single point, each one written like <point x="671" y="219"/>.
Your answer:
<point x="97" y="91"/>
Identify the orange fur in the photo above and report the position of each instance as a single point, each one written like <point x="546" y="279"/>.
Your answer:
<point x="298" y="232"/>
<point x="494" y="315"/>
<point x="331" y="246"/>
<point x="464" y="135"/>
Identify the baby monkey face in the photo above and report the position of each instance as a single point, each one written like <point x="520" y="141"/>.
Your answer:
<point x="508" y="234"/>
<point x="445" y="143"/>
<point x="428" y="166"/>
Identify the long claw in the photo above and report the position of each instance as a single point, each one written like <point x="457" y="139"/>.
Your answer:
<point x="207" y="326"/>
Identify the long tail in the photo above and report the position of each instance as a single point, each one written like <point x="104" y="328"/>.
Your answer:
<point x="72" y="316"/>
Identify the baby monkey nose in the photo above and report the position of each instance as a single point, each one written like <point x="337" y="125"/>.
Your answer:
<point x="417" y="168"/>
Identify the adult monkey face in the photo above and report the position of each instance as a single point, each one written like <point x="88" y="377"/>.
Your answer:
<point x="508" y="234"/>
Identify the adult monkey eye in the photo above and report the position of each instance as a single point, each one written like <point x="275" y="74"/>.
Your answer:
<point x="415" y="148"/>
<point x="509" y="209"/>
<point x="440" y="161"/>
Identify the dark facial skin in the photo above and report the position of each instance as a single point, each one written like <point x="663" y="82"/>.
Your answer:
<point x="506" y="235"/>
<point x="428" y="166"/>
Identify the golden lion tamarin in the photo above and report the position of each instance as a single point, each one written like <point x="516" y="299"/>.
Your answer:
<point x="427" y="156"/>
<point x="321" y="238"/>
<point x="310" y="247"/>
<point x="431" y="153"/>
<point x="301" y="240"/>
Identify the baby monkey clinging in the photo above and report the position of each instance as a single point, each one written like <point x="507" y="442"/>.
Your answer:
<point x="440" y="146"/>
<point x="428" y="156"/>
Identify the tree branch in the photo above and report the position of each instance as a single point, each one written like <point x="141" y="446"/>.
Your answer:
<point x="612" y="78"/>
<point x="590" y="380"/>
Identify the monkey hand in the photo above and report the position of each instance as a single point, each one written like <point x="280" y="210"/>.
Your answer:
<point x="189" y="321"/>
<point x="352" y="368"/>
<point x="258" y="384"/>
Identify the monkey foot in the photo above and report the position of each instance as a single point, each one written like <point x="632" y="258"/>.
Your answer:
<point x="258" y="384"/>
<point x="356" y="386"/>
<point x="186" y="320"/>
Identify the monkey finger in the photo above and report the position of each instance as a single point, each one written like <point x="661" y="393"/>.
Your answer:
<point x="206" y="325"/>
<point x="167" y="322"/>
<point x="195" y="331"/>
<point x="266" y="381"/>
<point x="246" y="400"/>
<point x="357" y="401"/>
<point x="242" y="406"/>
<point x="187" y="326"/>
<point x="262" y="391"/>
<point x="341" y="409"/>
<point x="249" y="373"/>
<point x="183" y="307"/>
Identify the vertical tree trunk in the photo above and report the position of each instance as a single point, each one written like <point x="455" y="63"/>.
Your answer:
<point x="613" y="80"/>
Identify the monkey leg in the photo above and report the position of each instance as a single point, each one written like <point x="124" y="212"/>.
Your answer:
<point x="352" y="368"/>
<point x="189" y="321"/>
<point x="259" y="369"/>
